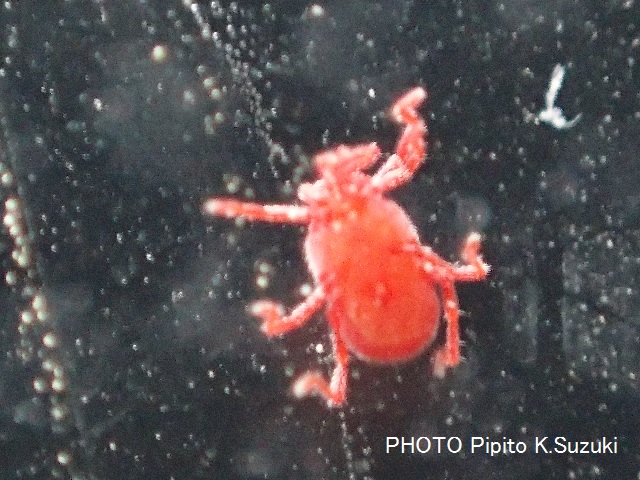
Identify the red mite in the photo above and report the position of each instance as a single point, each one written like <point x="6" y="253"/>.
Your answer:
<point x="384" y="293"/>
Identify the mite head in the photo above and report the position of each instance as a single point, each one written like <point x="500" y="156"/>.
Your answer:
<point x="340" y="171"/>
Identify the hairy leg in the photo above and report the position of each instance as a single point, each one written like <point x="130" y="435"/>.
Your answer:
<point x="313" y="383"/>
<point x="446" y="274"/>
<point x="436" y="266"/>
<point x="274" y="322"/>
<point x="448" y="355"/>
<point x="230" y="208"/>
<point x="411" y="148"/>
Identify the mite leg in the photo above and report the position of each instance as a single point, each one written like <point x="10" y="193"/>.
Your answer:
<point x="411" y="148"/>
<point x="475" y="269"/>
<point x="230" y="208"/>
<point x="441" y="270"/>
<point x="448" y="355"/>
<point x="445" y="274"/>
<point x="274" y="322"/>
<point x="312" y="383"/>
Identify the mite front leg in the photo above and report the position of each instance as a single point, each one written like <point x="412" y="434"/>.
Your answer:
<point x="274" y="322"/>
<point x="411" y="148"/>
<point x="448" y="355"/>
<point x="313" y="383"/>
<point x="230" y="208"/>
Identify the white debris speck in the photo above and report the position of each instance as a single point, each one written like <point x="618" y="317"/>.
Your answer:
<point x="553" y="115"/>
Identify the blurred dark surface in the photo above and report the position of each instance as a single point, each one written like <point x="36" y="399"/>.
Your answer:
<point x="127" y="350"/>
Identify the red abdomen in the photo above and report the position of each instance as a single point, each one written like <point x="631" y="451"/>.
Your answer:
<point x="379" y="299"/>
<point x="390" y="314"/>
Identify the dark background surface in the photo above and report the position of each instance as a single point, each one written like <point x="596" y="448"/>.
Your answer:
<point x="111" y="151"/>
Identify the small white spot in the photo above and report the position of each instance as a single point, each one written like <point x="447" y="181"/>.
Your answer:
<point x="305" y="289"/>
<point x="58" y="385"/>
<point x="315" y="11"/>
<point x="10" y="220"/>
<point x="189" y="97"/>
<point x="159" y="53"/>
<point x="6" y="179"/>
<point x="12" y="205"/>
<point x="262" y="282"/>
<point x="11" y="278"/>
<point x="64" y="458"/>
<point x="40" y="385"/>
<point x="50" y="340"/>
<point x="58" y="412"/>
<point x="299" y="388"/>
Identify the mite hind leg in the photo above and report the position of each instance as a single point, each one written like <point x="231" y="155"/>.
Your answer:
<point x="313" y="383"/>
